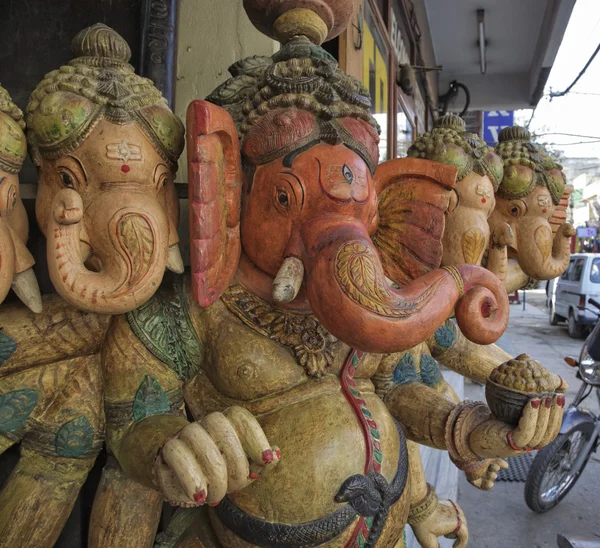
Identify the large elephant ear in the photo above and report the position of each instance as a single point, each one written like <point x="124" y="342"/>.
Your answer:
<point x="215" y="182"/>
<point x="414" y="196"/>
<point x="559" y="216"/>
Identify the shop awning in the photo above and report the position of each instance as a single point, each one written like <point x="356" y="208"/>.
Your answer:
<point x="522" y="40"/>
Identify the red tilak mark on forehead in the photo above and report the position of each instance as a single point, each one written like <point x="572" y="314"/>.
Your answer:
<point x="483" y="200"/>
<point x="125" y="168"/>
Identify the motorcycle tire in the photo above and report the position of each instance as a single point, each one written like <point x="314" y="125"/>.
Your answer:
<point x="543" y="461"/>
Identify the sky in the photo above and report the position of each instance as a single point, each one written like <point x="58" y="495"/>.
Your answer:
<point x="578" y="112"/>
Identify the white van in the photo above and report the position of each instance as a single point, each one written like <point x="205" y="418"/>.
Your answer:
<point x="577" y="284"/>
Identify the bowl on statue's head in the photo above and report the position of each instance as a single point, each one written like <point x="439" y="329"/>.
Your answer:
<point x="512" y="384"/>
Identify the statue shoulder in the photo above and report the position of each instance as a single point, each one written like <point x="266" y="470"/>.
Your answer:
<point x="166" y="326"/>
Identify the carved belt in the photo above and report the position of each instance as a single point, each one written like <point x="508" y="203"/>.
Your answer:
<point x="369" y="496"/>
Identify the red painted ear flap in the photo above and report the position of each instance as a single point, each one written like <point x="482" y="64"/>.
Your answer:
<point x="559" y="216"/>
<point x="215" y="183"/>
<point x="414" y="195"/>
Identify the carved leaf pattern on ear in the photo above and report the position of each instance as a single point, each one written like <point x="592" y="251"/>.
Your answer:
<point x="414" y="195"/>
<point x="559" y="216"/>
<point x="215" y="182"/>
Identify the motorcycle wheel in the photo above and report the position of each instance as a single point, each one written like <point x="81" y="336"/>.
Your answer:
<point x="551" y="477"/>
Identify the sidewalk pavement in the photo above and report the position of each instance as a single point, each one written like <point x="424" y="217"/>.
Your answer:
<point x="500" y="518"/>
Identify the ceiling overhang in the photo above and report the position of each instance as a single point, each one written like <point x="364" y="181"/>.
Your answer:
<point x="522" y="40"/>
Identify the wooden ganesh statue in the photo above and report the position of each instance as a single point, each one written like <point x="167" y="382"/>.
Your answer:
<point x="15" y="260"/>
<point x="532" y="199"/>
<point x="466" y="240"/>
<point x="262" y="392"/>
<point x="274" y="343"/>
<point x="106" y="146"/>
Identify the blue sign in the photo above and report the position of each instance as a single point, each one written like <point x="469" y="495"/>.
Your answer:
<point x="494" y="121"/>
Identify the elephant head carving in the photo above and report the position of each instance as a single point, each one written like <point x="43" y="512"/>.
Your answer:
<point x="15" y="260"/>
<point x="285" y="196"/>
<point x="106" y="146"/>
<point x="467" y="235"/>
<point x="532" y="199"/>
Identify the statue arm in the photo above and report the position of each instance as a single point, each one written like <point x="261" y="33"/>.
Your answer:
<point x="515" y="278"/>
<point x="467" y="430"/>
<point x="422" y="411"/>
<point x="60" y="332"/>
<point x="474" y="361"/>
<point x="143" y="402"/>
<point x="430" y="517"/>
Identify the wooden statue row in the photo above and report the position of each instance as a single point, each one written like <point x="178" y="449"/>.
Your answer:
<point x="276" y="396"/>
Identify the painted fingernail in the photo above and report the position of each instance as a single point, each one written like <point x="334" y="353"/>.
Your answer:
<point x="267" y="456"/>
<point x="560" y="401"/>
<point x="535" y="403"/>
<point x="278" y="453"/>
<point x="548" y="402"/>
<point x="254" y="476"/>
<point x="213" y="504"/>
<point x="200" y="496"/>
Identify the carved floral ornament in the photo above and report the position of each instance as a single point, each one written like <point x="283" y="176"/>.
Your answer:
<point x="310" y="343"/>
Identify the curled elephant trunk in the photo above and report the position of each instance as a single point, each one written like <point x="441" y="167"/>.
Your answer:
<point x="348" y="292"/>
<point x="128" y="234"/>
<point x="541" y="256"/>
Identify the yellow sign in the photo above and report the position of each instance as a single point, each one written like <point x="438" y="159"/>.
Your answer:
<point x="375" y="73"/>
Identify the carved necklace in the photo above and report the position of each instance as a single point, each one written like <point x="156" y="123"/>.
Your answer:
<point x="310" y="343"/>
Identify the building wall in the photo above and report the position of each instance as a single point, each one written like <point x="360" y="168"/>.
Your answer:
<point x="212" y="35"/>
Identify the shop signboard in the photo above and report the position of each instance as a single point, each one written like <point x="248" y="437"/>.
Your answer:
<point x="494" y="121"/>
<point x="376" y="76"/>
<point x="587" y="232"/>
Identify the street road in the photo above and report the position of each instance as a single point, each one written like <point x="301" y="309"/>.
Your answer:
<point x="500" y="518"/>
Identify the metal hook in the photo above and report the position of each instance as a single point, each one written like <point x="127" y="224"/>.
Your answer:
<point x="360" y="28"/>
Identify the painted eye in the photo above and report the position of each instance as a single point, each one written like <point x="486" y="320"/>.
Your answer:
<point x="66" y="180"/>
<point x="517" y="209"/>
<point x="283" y="199"/>
<point x="162" y="181"/>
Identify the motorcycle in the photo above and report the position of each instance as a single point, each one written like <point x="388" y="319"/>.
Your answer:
<point x="557" y="467"/>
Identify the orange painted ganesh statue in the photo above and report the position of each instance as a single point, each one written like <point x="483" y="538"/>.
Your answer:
<point x="288" y="316"/>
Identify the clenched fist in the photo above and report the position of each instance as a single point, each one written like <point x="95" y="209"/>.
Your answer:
<point x="447" y="520"/>
<point x="485" y="476"/>
<point x="220" y="454"/>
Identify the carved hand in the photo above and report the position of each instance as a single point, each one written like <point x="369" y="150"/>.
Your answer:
<point x="484" y="477"/>
<point x="220" y="454"/>
<point x="447" y="520"/>
<point x="538" y="426"/>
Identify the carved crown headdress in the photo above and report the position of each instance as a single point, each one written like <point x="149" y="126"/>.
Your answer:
<point x="449" y="142"/>
<point x="526" y="165"/>
<point x="98" y="83"/>
<point x="297" y="96"/>
<point x="13" y="146"/>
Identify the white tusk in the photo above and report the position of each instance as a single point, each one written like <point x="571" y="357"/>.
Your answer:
<point x="174" y="260"/>
<point x="288" y="280"/>
<point x="27" y="289"/>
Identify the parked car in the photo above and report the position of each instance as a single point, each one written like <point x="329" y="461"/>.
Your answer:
<point x="579" y="282"/>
